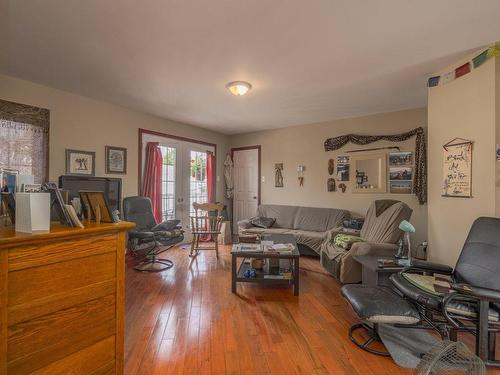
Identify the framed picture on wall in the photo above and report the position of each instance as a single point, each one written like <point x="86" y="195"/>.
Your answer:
<point x="116" y="160"/>
<point x="80" y="163"/>
<point x="457" y="168"/>
<point x="278" y="175"/>
<point x="400" y="158"/>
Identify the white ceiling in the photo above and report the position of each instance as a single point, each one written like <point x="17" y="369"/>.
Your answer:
<point x="308" y="60"/>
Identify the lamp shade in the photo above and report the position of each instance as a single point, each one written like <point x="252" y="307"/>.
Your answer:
<point x="406" y="227"/>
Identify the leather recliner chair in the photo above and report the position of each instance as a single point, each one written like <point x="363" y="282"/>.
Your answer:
<point x="468" y="302"/>
<point x="149" y="237"/>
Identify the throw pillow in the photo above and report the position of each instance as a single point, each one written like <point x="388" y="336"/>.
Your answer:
<point x="345" y="241"/>
<point x="262" y="222"/>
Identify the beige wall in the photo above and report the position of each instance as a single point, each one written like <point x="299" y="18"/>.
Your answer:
<point x="497" y="119"/>
<point x="82" y="123"/>
<point x="304" y="145"/>
<point x="466" y="108"/>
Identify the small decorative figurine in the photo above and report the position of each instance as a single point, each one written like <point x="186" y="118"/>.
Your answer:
<point x="300" y="174"/>
<point x="331" y="184"/>
<point x="331" y="166"/>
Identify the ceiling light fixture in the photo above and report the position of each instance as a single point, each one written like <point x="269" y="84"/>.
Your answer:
<point x="238" y="88"/>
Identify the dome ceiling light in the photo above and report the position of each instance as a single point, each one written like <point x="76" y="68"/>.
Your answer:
<point x="238" y="88"/>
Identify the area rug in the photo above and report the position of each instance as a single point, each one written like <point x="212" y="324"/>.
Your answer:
<point x="406" y="345"/>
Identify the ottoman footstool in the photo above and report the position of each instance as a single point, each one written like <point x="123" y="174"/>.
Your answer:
<point x="376" y="305"/>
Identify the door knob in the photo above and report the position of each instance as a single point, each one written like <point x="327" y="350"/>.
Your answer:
<point x="254" y="197"/>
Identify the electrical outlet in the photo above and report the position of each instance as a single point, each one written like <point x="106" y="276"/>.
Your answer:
<point x="263" y="178"/>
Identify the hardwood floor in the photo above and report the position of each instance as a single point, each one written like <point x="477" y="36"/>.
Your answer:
<point x="187" y="321"/>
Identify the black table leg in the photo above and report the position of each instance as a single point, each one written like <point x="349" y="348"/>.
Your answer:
<point x="296" y="276"/>
<point x="233" y="273"/>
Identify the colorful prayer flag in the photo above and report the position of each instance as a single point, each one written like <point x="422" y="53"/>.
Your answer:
<point x="433" y="81"/>
<point x="494" y="51"/>
<point x="462" y="70"/>
<point x="480" y="59"/>
<point x="448" y="77"/>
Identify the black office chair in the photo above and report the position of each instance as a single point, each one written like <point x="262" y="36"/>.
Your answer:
<point x="159" y="237"/>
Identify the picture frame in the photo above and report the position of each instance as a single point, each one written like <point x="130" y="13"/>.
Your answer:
<point x="457" y="168"/>
<point x="8" y="180"/>
<point x="343" y="167"/>
<point x="80" y="163"/>
<point x="401" y="186"/>
<point x="116" y="160"/>
<point x="278" y="175"/>
<point x="401" y="158"/>
<point x="401" y="173"/>
<point x="95" y="200"/>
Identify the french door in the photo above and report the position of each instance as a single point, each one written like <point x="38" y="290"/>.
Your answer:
<point x="184" y="179"/>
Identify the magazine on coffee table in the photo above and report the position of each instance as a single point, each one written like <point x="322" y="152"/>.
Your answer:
<point x="250" y="247"/>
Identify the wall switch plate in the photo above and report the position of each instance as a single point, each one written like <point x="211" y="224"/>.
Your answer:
<point x="218" y="178"/>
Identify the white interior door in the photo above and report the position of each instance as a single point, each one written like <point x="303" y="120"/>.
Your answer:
<point x="246" y="185"/>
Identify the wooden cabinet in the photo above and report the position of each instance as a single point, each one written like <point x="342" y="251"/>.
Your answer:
<point x="62" y="300"/>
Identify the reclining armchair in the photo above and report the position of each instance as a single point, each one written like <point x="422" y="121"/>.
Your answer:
<point x="379" y="234"/>
<point x="148" y="237"/>
<point x="467" y="300"/>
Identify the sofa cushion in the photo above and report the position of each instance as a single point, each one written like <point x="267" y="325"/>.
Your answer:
<point x="262" y="222"/>
<point x="377" y="304"/>
<point x="285" y="215"/>
<point x="319" y="219"/>
<point x="310" y="238"/>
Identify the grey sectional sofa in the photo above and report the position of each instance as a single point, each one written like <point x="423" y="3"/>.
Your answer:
<point x="309" y="225"/>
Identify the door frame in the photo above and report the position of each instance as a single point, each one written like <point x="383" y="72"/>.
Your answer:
<point x="178" y="138"/>
<point x="259" y="175"/>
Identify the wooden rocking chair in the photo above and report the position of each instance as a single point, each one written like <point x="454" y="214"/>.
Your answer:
<point x="206" y="226"/>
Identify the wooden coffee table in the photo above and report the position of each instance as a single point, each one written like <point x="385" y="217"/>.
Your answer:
<point x="237" y="274"/>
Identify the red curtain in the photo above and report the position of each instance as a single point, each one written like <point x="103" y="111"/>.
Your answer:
<point x="151" y="185"/>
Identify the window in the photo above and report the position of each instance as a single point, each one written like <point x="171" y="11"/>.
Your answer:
<point x="198" y="179"/>
<point x="24" y="139"/>
<point x="168" y="182"/>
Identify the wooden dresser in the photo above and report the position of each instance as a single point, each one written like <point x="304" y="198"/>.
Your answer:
<point x="62" y="300"/>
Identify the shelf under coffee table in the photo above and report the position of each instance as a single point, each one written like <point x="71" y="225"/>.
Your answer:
<point x="237" y="273"/>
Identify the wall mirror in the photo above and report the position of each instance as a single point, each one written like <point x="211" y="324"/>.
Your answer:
<point x="369" y="173"/>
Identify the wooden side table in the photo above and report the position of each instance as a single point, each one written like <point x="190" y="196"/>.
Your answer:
<point x="372" y="274"/>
